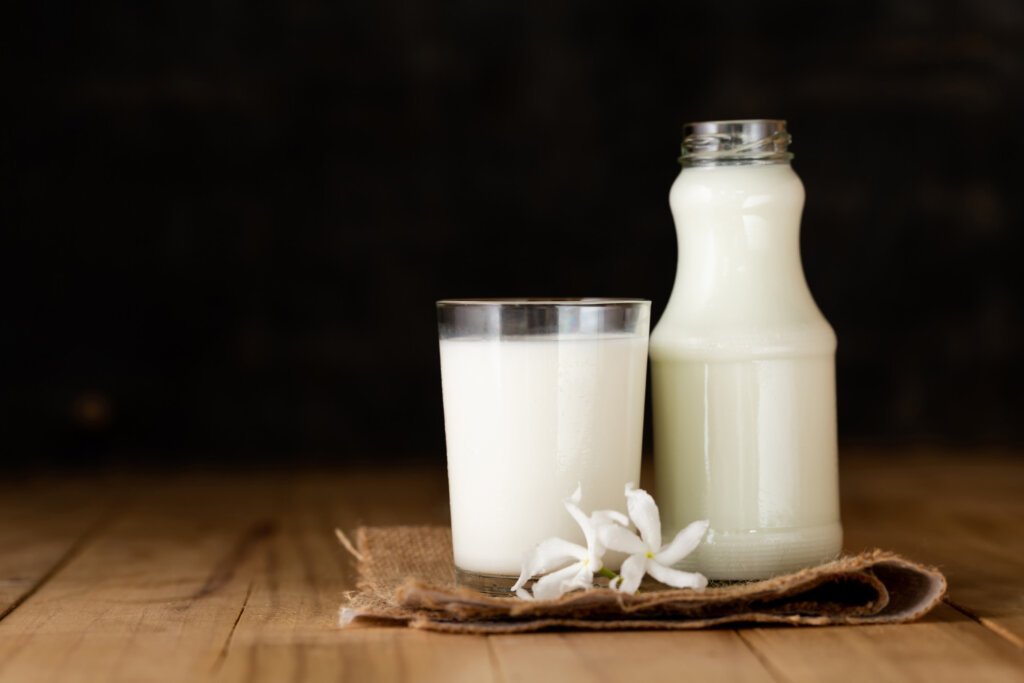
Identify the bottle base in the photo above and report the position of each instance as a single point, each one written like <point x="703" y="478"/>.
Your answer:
<point x="752" y="554"/>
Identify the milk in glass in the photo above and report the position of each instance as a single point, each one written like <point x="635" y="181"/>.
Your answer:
<point x="528" y="418"/>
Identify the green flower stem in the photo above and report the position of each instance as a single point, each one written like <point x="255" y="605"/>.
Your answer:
<point x="608" y="573"/>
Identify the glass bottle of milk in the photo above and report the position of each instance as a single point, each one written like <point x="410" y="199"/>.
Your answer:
<point x="743" y="369"/>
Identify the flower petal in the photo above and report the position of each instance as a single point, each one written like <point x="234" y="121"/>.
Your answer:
<point x="577" y="495"/>
<point x="548" y="555"/>
<point x="594" y="549"/>
<point x="555" y="584"/>
<point x="676" y="578"/>
<point x="683" y="544"/>
<point x="631" y="573"/>
<point x="623" y="540"/>
<point x="600" y="517"/>
<point x="584" y="579"/>
<point x="644" y="513"/>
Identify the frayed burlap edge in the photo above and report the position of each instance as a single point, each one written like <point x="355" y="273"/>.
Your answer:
<point x="407" y="577"/>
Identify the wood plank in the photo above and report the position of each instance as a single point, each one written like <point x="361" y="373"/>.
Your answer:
<point x="229" y="578"/>
<point x="153" y="597"/>
<point x="43" y="524"/>
<point x="627" y="656"/>
<point x="945" y="646"/>
<point x="289" y="628"/>
<point x="381" y="655"/>
<point x="959" y="511"/>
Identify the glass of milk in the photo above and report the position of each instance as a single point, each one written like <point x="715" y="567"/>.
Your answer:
<point x="540" y="396"/>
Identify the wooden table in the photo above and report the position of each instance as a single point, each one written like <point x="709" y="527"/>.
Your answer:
<point x="238" y="577"/>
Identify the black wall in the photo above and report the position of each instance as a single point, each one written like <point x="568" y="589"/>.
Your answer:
<point x="230" y="221"/>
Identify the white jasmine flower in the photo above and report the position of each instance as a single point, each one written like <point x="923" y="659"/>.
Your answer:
<point x="646" y="554"/>
<point x="554" y="552"/>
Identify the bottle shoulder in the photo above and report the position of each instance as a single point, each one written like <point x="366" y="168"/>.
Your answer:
<point x="676" y="339"/>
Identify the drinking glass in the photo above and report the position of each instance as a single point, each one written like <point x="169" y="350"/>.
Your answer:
<point x="540" y="396"/>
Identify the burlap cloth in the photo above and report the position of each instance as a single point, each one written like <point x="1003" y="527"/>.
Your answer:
<point x="407" y="577"/>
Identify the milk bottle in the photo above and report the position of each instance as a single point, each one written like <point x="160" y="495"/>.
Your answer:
<point x="743" y="382"/>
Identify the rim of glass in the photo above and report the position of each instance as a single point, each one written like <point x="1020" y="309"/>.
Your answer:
<point x="544" y="301"/>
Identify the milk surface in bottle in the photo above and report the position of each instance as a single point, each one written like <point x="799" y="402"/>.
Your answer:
<point x="742" y="362"/>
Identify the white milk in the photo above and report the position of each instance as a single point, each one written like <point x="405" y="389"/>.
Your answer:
<point x="743" y="387"/>
<point x="526" y="420"/>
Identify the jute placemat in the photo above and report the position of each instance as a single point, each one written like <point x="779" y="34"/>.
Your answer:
<point x="407" y="577"/>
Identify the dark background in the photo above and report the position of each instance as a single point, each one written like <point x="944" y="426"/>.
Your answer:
<point x="230" y="221"/>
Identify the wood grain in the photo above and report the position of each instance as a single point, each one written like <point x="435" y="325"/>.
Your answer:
<point x="288" y="630"/>
<point x="153" y="597"/>
<point x="631" y="656"/>
<point x="233" y="578"/>
<point x="944" y="646"/>
<point x="43" y="525"/>
<point x="960" y="511"/>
